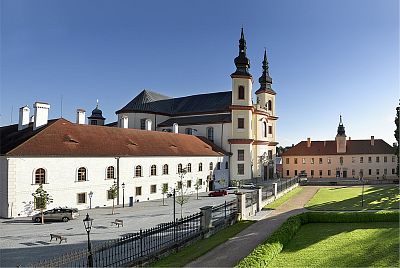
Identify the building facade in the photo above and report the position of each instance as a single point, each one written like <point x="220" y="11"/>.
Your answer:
<point x="341" y="158"/>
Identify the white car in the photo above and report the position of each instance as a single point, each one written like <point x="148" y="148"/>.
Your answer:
<point x="232" y="190"/>
<point x="248" y="186"/>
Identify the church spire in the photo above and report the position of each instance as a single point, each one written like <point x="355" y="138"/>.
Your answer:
<point x="340" y="130"/>
<point x="265" y="80"/>
<point x="241" y="61"/>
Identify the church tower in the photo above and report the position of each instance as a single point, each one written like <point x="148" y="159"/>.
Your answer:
<point x="265" y="94"/>
<point x="242" y="106"/>
<point x="341" y="138"/>
<point x="96" y="118"/>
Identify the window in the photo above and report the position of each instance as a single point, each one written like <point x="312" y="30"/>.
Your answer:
<point x="264" y="129"/>
<point x="385" y="159"/>
<point x="218" y="165"/>
<point x="210" y="133"/>
<point x="188" y="131"/>
<point x="200" y="166"/>
<point x="180" y="169"/>
<point x="165" y="169"/>
<point x="303" y="160"/>
<point x="189" y="184"/>
<point x="361" y="173"/>
<point x="82" y="174"/>
<point x="287" y="172"/>
<point x="312" y="161"/>
<point x="109" y="195"/>
<point x="240" y="155"/>
<point x="143" y="123"/>
<point x="369" y="159"/>
<point x="93" y="122"/>
<point x="40" y="176"/>
<point x="138" y="171"/>
<point x="153" y="170"/>
<point x="320" y="160"/>
<point x="138" y="190"/>
<point x="295" y="161"/>
<point x="211" y="166"/>
<point x="81" y="198"/>
<point x="377" y="172"/>
<point x="240" y="123"/>
<point x="270" y="105"/>
<point x="329" y="172"/>
<point x="240" y="169"/>
<point x="353" y="172"/>
<point x="295" y="172"/>
<point x="179" y="185"/>
<point x="393" y="171"/>
<point x="153" y="189"/>
<point x="385" y="171"/>
<point x="329" y="160"/>
<point x="110" y="172"/>
<point x="189" y="167"/>
<point x="312" y="173"/>
<point x="361" y="159"/>
<point x="369" y="171"/>
<point x="287" y="161"/>
<point x="269" y="129"/>
<point x="241" y="93"/>
<point x="377" y="159"/>
<point x="353" y="159"/>
<point x="393" y="159"/>
<point x="320" y="173"/>
<point x="200" y="182"/>
<point x="341" y="160"/>
<point x="226" y="165"/>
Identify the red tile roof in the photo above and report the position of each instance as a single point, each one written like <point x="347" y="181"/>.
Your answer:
<point x="329" y="148"/>
<point x="63" y="138"/>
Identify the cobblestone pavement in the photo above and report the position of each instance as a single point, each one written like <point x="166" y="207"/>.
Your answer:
<point x="236" y="248"/>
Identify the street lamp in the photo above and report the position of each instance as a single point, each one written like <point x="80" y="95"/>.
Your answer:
<point x="123" y="194"/>
<point x="90" y="199"/>
<point x="88" y="226"/>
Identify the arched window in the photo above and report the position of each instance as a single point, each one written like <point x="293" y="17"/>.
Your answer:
<point x="165" y="169"/>
<point x="40" y="176"/>
<point x="82" y="174"/>
<point x="138" y="171"/>
<point x="153" y="170"/>
<point x="210" y="133"/>
<point x="189" y="167"/>
<point x="226" y="165"/>
<point x="200" y="166"/>
<point x="241" y="93"/>
<point x="264" y="129"/>
<point x="211" y="166"/>
<point x="180" y="168"/>
<point x="110" y="172"/>
<point x="270" y="105"/>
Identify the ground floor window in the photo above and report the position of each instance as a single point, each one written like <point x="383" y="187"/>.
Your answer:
<point x="81" y="198"/>
<point x="153" y="189"/>
<point x="329" y="172"/>
<point x="138" y="191"/>
<point x="369" y="171"/>
<point x="320" y="173"/>
<point x="240" y="169"/>
<point x="312" y="173"/>
<point x="385" y="171"/>
<point x="287" y="172"/>
<point x="200" y="182"/>
<point x="295" y="172"/>
<point x="189" y="184"/>
<point x="353" y="172"/>
<point x="393" y="171"/>
<point x="377" y="172"/>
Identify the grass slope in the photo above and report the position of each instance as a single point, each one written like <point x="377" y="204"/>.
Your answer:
<point x="284" y="198"/>
<point x="342" y="245"/>
<point x="192" y="252"/>
<point x="349" y="198"/>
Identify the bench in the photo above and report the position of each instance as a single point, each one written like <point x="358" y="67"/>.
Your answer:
<point x="58" y="237"/>
<point x="118" y="223"/>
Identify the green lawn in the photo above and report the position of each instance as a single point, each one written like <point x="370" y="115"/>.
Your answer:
<point x="369" y="244"/>
<point x="284" y="198"/>
<point x="201" y="247"/>
<point x="350" y="198"/>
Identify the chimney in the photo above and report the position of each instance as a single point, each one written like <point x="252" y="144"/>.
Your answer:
<point x="372" y="140"/>
<point x="41" y="114"/>
<point x="148" y="124"/>
<point x="124" y="122"/>
<point x="80" y="116"/>
<point x="175" y="128"/>
<point x="308" y="142"/>
<point x="23" y="117"/>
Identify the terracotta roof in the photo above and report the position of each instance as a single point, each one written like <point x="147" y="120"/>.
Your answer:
<point x="63" y="138"/>
<point x="329" y="148"/>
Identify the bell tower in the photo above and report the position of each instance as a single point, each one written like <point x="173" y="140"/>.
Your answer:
<point x="265" y="94"/>
<point x="341" y="138"/>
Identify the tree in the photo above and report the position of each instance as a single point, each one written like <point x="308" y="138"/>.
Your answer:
<point x="41" y="199"/>
<point x="182" y="197"/>
<point x="197" y="186"/>
<point x="112" y="193"/>
<point x="396" y="135"/>
<point x="222" y="182"/>
<point x="164" y="190"/>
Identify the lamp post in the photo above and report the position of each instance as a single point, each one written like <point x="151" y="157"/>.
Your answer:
<point x="88" y="226"/>
<point x="123" y="194"/>
<point x="90" y="199"/>
<point x="117" y="158"/>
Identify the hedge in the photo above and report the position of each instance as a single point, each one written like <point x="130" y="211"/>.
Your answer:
<point x="273" y="245"/>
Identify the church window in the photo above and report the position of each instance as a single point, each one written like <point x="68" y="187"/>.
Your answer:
<point x="138" y="171"/>
<point x="269" y="129"/>
<point x="240" y="122"/>
<point x="153" y="170"/>
<point x="143" y="123"/>
<point x="110" y="172"/>
<point x="211" y="166"/>
<point x="226" y="165"/>
<point x="240" y="169"/>
<point x="241" y="93"/>
<point x="210" y="133"/>
<point x="165" y="170"/>
<point x="40" y="176"/>
<point x="218" y="165"/>
<point x="200" y="166"/>
<point x="82" y="174"/>
<point x="270" y="105"/>
<point x="264" y="129"/>
<point x="240" y="155"/>
<point x="189" y="167"/>
<point x="180" y="169"/>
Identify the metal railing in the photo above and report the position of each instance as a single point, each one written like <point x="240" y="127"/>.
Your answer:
<point x="282" y="185"/>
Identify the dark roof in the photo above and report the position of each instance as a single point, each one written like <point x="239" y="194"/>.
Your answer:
<point x="63" y="138"/>
<point x="197" y="120"/>
<point x="112" y="124"/>
<point x="352" y="147"/>
<point x="150" y="102"/>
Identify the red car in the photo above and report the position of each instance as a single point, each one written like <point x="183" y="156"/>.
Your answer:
<point x="218" y="193"/>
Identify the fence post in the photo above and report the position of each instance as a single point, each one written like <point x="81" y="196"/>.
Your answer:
<point x="141" y="242"/>
<point x="225" y="210"/>
<point x="206" y="215"/>
<point x="259" y="200"/>
<point x="275" y="189"/>
<point x="241" y="199"/>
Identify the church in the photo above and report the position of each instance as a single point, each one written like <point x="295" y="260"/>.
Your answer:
<point x="204" y="141"/>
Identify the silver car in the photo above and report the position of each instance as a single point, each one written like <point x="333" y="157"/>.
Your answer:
<point x="57" y="214"/>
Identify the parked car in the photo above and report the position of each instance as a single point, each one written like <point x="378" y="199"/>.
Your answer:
<point x="232" y="190"/>
<point x="218" y="193"/>
<point x="248" y="186"/>
<point x="303" y="176"/>
<point x="57" y="214"/>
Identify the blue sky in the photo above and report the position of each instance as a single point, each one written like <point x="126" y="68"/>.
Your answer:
<point x="326" y="57"/>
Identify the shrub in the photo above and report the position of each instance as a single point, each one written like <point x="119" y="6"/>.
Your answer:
<point x="381" y="216"/>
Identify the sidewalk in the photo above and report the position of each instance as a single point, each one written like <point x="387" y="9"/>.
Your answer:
<point x="238" y="247"/>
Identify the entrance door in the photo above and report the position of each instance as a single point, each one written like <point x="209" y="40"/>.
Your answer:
<point x="344" y="173"/>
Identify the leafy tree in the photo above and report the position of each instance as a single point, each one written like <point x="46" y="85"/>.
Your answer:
<point x="222" y="182"/>
<point x="197" y="186"/>
<point x="41" y="199"/>
<point x="182" y="197"/>
<point x="113" y="192"/>
<point x="396" y="135"/>
<point x="164" y="190"/>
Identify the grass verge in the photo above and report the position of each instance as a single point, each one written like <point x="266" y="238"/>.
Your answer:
<point x="192" y="252"/>
<point x="284" y="198"/>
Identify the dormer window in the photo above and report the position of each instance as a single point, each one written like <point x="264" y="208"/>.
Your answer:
<point x="241" y="93"/>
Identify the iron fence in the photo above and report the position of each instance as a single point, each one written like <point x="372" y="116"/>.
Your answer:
<point x="223" y="211"/>
<point x="251" y="198"/>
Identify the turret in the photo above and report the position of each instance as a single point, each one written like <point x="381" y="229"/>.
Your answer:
<point x="341" y="138"/>
<point x="97" y="116"/>
<point x="265" y="94"/>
